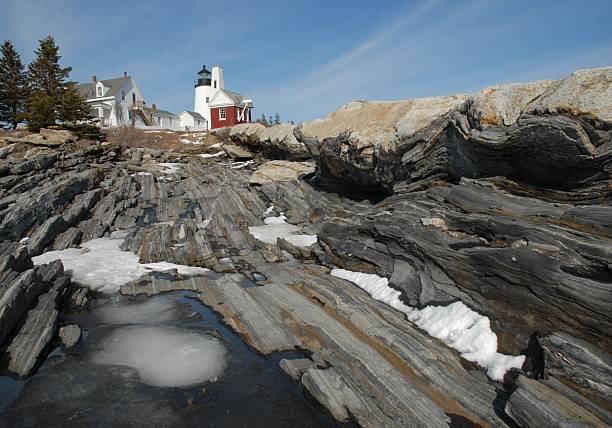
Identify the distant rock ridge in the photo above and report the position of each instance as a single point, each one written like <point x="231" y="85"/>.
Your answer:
<point x="407" y="144"/>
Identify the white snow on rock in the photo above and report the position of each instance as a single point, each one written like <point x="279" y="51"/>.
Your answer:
<point x="101" y="265"/>
<point x="164" y="356"/>
<point x="170" y="168"/>
<point x="240" y="165"/>
<point x="456" y="325"/>
<point x="212" y="155"/>
<point x="375" y="286"/>
<point x="277" y="227"/>
<point x="140" y="173"/>
<point x="469" y="333"/>
<point x="268" y="211"/>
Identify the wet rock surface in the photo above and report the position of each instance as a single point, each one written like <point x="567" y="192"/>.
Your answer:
<point x="500" y="200"/>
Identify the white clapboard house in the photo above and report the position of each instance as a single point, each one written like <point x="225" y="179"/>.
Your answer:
<point x="119" y="101"/>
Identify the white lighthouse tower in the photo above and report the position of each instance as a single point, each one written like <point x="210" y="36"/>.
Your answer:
<point x="206" y="87"/>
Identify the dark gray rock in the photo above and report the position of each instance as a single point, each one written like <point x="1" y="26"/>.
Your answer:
<point x="585" y="365"/>
<point x="534" y="404"/>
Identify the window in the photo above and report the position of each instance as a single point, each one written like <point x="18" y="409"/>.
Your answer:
<point x="198" y="122"/>
<point x="207" y="100"/>
<point x="99" y="91"/>
<point x="238" y="115"/>
<point x="222" y="114"/>
<point x="215" y="83"/>
<point x="122" y="95"/>
<point x="129" y="114"/>
<point x="159" y="121"/>
<point x="133" y="98"/>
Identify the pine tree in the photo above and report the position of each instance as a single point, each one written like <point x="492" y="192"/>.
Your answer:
<point x="277" y="119"/>
<point x="73" y="107"/>
<point x="13" y="86"/>
<point x="270" y="120"/>
<point x="47" y="82"/>
<point x="263" y="120"/>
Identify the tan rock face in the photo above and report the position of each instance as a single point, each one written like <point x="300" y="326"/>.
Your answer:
<point x="378" y="123"/>
<point x="502" y="104"/>
<point x="584" y="91"/>
<point x="279" y="170"/>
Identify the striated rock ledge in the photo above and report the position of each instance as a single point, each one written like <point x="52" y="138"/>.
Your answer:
<point x="500" y="199"/>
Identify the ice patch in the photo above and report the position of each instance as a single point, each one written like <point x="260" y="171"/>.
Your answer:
<point x="140" y="173"/>
<point x="170" y="168"/>
<point x="164" y="356"/>
<point x="101" y="265"/>
<point x="276" y="227"/>
<point x="456" y="325"/>
<point x="151" y="311"/>
<point x="24" y="240"/>
<point x="211" y="155"/>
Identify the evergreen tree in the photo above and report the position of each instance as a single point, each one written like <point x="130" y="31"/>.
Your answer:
<point x="263" y="120"/>
<point x="277" y="119"/>
<point x="47" y="82"/>
<point x="270" y="120"/>
<point x="13" y="86"/>
<point x="73" y="107"/>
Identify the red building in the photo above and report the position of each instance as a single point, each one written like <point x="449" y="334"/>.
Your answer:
<point x="229" y="108"/>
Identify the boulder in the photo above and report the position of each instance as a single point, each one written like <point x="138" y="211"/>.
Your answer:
<point x="57" y="136"/>
<point x="70" y="335"/>
<point x="278" y="170"/>
<point x="236" y="152"/>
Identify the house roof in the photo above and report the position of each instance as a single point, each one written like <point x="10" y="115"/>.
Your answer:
<point x="158" y="111"/>
<point x="194" y="114"/>
<point x="88" y="90"/>
<point x="234" y="97"/>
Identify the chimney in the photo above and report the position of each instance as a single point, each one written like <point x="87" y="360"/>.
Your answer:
<point x="153" y="106"/>
<point x="94" y="79"/>
<point x="125" y="74"/>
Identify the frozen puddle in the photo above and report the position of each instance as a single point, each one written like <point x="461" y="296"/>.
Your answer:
<point x="456" y="325"/>
<point x="150" y="311"/>
<point x="277" y="227"/>
<point x="101" y="265"/>
<point x="164" y="356"/>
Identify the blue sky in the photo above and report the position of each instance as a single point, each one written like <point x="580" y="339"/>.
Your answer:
<point x="302" y="59"/>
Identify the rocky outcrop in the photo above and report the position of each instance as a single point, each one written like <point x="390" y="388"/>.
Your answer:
<point x="500" y="200"/>
<point x="275" y="141"/>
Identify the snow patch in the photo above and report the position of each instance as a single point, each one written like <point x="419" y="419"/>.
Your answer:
<point x="212" y="155"/>
<point x="240" y="165"/>
<point x="140" y="173"/>
<point x="101" y="265"/>
<point x="164" y="356"/>
<point x="456" y="325"/>
<point x="277" y="227"/>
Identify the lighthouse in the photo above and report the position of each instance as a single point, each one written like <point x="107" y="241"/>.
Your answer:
<point x="218" y="106"/>
<point x="207" y="85"/>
